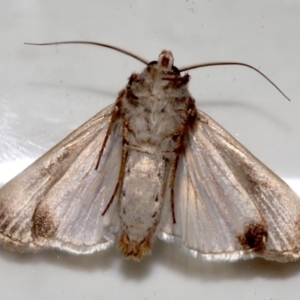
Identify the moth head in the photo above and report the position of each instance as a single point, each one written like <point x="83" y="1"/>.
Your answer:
<point x="165" y="59"/>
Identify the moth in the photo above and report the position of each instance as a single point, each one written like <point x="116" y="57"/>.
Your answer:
<point x="152" y="164"/>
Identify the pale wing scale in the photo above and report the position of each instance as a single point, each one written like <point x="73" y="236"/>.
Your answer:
<point x="20" y="197"/>
<point x="220" y="190"/>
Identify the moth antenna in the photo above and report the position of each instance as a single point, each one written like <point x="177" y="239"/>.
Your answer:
<point x="212" y="64"/>
<point x="144" y="61"/>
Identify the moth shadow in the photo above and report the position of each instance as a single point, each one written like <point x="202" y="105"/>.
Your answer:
<point x="102" y="260"/>
<point x="248" y="107"/>
<point x="136" y="271"/>
<point x="172" y="257"/>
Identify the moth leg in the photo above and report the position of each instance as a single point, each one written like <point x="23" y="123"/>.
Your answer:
<point x="172" y="182"/>
<point x="120" y="179"/>
<point x="113" y="118"/>
<point x="180" y="148"/>
<point x="122" y="168"/>
<point x="177" y="152"/>
<point x="124" y="150"/>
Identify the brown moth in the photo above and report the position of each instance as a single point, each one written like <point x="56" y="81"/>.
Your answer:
<point x="149" y="165"/>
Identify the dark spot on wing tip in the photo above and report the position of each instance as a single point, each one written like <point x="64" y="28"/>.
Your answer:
<point x="43" y="224"/>
<point x="254" y="237"/>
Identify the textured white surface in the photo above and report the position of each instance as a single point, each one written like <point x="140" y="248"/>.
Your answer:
<point x="45" y="92"/>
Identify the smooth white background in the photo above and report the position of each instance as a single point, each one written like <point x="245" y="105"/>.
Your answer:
<point x="46" y="92"/>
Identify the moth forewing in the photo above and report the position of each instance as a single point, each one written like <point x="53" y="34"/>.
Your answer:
<point x="50" y="203"/>
<point x="152" y="165"/>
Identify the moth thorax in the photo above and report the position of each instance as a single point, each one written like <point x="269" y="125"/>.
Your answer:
<point x="165" y="59"/>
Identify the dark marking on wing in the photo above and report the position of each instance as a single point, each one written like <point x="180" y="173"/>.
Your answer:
<point x="254" y="237"/>
<point x="43" y="224"/>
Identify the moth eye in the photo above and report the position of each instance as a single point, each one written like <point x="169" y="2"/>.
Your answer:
<point x="175" y="70"/>
<point x="154" y="62"/>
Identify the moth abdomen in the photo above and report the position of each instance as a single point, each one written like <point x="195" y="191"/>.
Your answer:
<point x="141" y="201"/>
